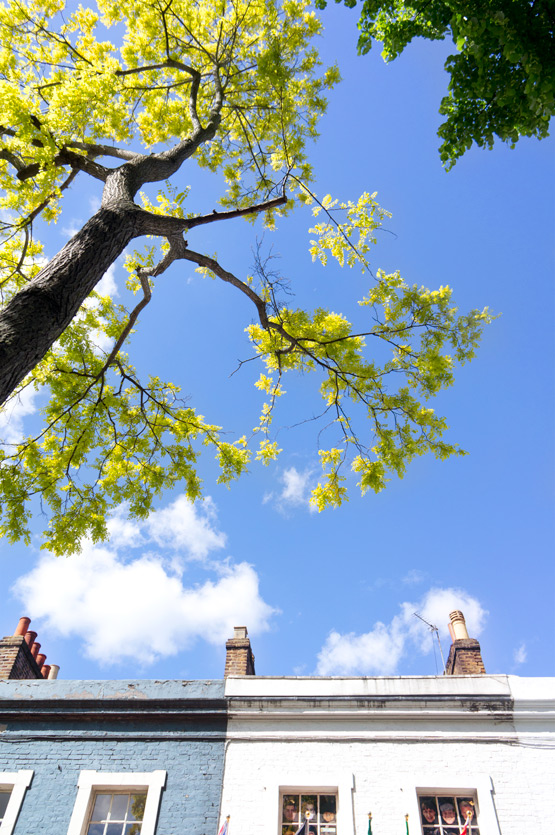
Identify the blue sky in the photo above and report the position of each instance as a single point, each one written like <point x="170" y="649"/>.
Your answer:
<point x="335" y="592"/>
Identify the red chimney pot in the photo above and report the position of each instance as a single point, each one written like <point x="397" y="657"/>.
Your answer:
<point x="22" y="626"/>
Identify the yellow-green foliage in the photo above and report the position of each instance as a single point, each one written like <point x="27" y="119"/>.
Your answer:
<point x="425" y="336"/>
<point x="109" y="437"/>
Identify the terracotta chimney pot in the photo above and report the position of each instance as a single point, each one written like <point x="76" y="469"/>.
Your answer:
<point x="40" y="659"/>
<point x="34" y="649"/>
<point x="53" y="672"/>
<point x="45" y="670"/>
<point x="22" y="626"/>
<point x="30" y="638"/>
<point x="459" y="625"/>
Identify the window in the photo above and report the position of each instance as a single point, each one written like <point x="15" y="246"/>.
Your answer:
<point x="124" y="803"/>
<point x="117" y="814"/>
<point x="450" y="789"/>
<point x="446" y="814"/>
<point x="321" y="810"/>
<point x="4" y="798"/>
<point x="13" y="785"/>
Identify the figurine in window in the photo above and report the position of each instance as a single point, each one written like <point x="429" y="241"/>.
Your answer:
<point x="466" y="805"/>
<point x="448" y="814"/>
<point x="428" y="810"/>
<point x="290" y="812"/>
<point x="308" y="809"/>
<point x="327" y="808"/>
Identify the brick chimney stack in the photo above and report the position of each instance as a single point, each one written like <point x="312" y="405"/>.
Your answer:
<point x="465" y="656"/>
<point x="239" y="660"/>
<point x="20" y="658"/>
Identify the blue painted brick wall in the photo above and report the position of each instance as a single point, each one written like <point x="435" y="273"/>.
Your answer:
<point x="166" y="735"/>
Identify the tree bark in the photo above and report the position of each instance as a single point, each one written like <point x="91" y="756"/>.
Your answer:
<point x="34" y="319"/>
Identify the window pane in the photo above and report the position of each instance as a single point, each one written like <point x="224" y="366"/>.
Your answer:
<point x="290" y="809"/>
<point x="309" y="804"/>
<point x="119" y="807"/>
<point x="101" y="807"/>
<point x="466" y="805"/>
<point x="428" y="811"/>
<point x="447" y="814"/>
<point x="4" y="798"/>
<point x="133" y="829"/>
<point x="136" y="807"/>
<point x="95" y="829"/>
<point x="447" y="811"/>
<point x="327" y="808"/>
<point x="115" y="829"/>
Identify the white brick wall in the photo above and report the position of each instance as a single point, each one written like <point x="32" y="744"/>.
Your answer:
<point x="377" y="751"/>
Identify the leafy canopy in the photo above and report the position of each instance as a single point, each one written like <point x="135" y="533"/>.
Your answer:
<point x="502" y="76"/>
<point x="236" y="87"/>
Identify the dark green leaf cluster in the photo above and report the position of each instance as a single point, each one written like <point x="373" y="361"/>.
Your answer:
<point x="502" y="77"/>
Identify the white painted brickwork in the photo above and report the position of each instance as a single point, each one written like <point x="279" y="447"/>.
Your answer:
<point x="378" y="740"/>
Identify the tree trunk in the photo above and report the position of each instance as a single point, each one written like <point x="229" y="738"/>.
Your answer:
<point x="34" y="319"/>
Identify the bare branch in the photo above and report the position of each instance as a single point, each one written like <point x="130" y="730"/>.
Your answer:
<point x="143" y="277"/>
<point x="180" y="251"/>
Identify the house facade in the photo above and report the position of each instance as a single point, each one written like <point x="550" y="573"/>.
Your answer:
<point x="389" y="747"/>
<point x="420" y="754"/>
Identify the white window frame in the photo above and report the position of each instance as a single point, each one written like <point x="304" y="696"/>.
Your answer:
<point x="307" y="793"/>
<point x="312" y="781"/>
<point x="92" y="782"/>
<point x="17" y="782"/>
<point x="479" y="785"/>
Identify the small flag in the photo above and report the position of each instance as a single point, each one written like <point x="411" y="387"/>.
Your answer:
<point x="224" y="829"/>
<point x="369" y="823"/>
<point x="467" y="824"/>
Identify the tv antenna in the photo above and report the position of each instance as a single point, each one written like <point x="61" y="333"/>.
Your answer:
<point x="436" y="630"/>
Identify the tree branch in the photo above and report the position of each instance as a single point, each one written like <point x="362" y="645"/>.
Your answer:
<point x="147" y="295"/>
<point x="67" y="157"/>
<point x="166" y="225"/>
<point x="105" y="150"/>
<point x="14" y="160"/>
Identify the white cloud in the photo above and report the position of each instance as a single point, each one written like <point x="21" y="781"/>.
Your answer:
<point x="124" y="532"/>
<point x="377" y="651"/>
<point x="413" y="577"/>
<point x="520" y="654"/>
<point x="12" y="414"/>
<point x="187" y="528"/>
<point x="107" y="285"/>
<point x="436" y="606"/>
<point x="183" y="525"/>
<point x="295" y="492"/>
<point x="139" y="608"/>
<point x="73" y="228"/>
<point x="380" y="650"/>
